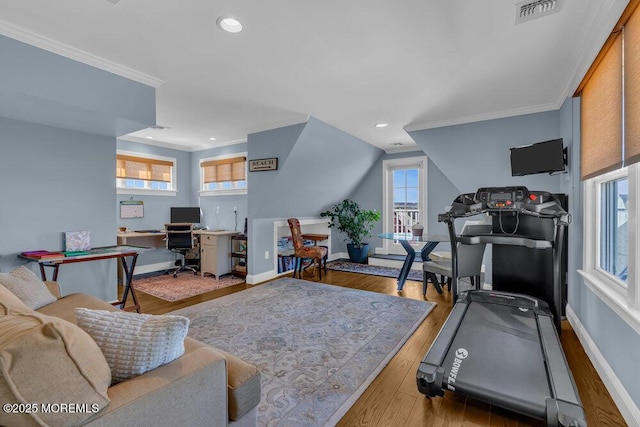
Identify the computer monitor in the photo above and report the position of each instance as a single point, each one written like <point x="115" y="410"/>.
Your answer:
<point x="191" y="215"/>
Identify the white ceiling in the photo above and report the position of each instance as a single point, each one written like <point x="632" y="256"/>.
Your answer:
<point x="414" y="64"/>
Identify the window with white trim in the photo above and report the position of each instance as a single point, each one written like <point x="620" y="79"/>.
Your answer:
<point x="404" y="197"/>
<point x="611" y="208"/>
<point x="223" y="175"/>
<point x="143" y="173"/>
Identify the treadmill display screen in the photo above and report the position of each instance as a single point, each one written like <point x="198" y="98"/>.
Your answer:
<point x="500" y="196"/>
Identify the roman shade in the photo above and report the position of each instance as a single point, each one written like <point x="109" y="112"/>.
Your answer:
<point x="632" y="89"/>
<point x="610" y="100"/>
<point x="131" y="167"/>
<point x="221" y="170"/>
<point x="601" y="121"/>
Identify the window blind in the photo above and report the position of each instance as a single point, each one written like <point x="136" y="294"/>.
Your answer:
<point x="601" y="111"/>
<point x="131" y="167"/>
<point x="632" y="89"/>
<point x="610" y="100"/>
<point x="232" y="169"/>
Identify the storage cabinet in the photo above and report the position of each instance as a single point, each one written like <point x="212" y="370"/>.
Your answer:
<point x="239" y="255"/>
<point x="214" y="254"/>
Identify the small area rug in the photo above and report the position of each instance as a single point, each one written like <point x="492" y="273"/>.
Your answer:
<point x="375" y="270"/>
<point x="186" y="285"/>
<point x="317" y="346"/>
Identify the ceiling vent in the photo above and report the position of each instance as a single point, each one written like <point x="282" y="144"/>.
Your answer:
<point x="160" y="127"/>
<point x="528" y="10"/>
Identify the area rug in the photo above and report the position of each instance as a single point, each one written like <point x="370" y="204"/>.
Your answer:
<point x="376" y="270"/>
<point x="317" y="346"/>
<point x="186" y="285"/>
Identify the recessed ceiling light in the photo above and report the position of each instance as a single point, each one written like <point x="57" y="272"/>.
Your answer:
<point x="230" y="25"/>
<point x="149" y="137"/>
<point x="212" y="139"/>
<point x="382" y="125"/>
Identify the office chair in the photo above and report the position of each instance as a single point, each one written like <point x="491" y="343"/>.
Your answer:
<point x="180" y="241"/>
<point x="316" y="253"/>
<point x="469" y="259"/>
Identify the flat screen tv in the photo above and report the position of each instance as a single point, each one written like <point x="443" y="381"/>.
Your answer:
<point x="542" y="157"/>
<point x="186" y="214"/>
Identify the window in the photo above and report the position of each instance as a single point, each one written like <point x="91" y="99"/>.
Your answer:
<point x="611" y="209"/>
<point x="614" y="215"/>
<point x="136" y="174"/>
<point x="224" y="175"/>
<point x="404" y="194"/>
<point x="610" y="152"/>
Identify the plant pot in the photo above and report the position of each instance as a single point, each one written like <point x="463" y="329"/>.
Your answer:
<point x="358" y="255"/>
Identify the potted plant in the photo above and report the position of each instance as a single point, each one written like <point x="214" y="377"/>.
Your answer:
<point x="356" y="223"/>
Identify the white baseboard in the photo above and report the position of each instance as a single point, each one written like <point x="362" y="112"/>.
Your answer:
<point x="625" y="403"/>
<point x="150" y="268"/>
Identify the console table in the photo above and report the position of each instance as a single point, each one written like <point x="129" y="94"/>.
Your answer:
<point x="427" y="242"/>
<point x="108" y="252"/>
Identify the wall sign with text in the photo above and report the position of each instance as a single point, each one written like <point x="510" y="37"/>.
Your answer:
<point x="259" y="165"/>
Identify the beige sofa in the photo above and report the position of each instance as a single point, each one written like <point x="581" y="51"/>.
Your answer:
<point x="203" y="387"/>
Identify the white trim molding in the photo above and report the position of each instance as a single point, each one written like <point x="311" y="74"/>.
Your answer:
<point x="43" y="42"/>
<point x="623" y="401"/>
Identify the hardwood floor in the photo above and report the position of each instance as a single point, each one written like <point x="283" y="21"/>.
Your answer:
<point x="393" y="399"/>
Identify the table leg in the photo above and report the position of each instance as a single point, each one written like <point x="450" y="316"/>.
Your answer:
<point x="128" y="278"/>
<point x="406" y="266"/>
<point x="43" y="272"/>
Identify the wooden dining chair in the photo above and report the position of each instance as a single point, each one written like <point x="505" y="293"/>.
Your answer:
<point x="318" y="254"/>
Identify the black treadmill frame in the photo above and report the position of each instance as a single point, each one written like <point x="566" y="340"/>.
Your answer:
<point x="468" y="205"/>
<point x="563" y="407"/>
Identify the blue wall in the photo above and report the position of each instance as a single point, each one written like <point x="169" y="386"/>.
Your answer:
<point x="59" y="120"/>
<point x="318" y="165"/>
<point x="56" y="180"/>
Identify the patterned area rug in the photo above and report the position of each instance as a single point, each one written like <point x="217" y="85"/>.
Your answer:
<point x="375" y="270"/>
<point x="318" y="346"/>
<point x="186" y="285"/>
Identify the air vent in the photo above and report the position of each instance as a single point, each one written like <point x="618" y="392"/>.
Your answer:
<point x="160" y="127"/>
<point x="528" y="10"/>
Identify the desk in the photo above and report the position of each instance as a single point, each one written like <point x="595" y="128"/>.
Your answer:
<point x="429" y="241"/>
<point x="154" y="240"/>
<point x="315" y="237"/>
<point x="97" y="254"/>
<point x="215" y="251"/>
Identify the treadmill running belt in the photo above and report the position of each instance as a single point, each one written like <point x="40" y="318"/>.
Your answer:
<point x="475" y="364"/>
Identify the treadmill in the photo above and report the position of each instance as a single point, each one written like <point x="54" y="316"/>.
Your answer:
<point x="501" y="347"/>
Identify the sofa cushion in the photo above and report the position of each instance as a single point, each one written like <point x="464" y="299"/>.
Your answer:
<point x="46" y="360"/>
<point x="64" y="308"/>
<point x="28" y="287"/>
<point x="134" y="343"/>
<point x="10" y="303"/>
<point x="243" y="381"/>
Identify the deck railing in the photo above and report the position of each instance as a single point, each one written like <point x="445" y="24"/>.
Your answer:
<point x="404" y="219"/>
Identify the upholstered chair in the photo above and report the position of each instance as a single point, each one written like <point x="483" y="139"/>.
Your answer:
<point x="318" y="254"/>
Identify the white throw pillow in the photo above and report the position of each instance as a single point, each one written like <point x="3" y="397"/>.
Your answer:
<point x="134" y="343"/>
<point x="24" y="284"/>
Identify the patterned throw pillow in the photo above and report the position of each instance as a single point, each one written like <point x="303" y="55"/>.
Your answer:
<point x="134" y="343"/>
<point x="28" y="287"/>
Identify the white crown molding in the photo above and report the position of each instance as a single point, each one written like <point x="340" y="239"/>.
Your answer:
<point x="37" y="40"/>
<point x="293" y="120"/>
<point x="179" y="147"/>
<point x="486" y="116"/>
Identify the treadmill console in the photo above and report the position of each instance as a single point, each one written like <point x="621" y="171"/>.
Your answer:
<point x="499" y="200"/>
<point x="502" y="197"/>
